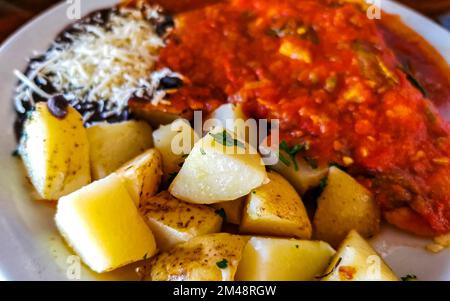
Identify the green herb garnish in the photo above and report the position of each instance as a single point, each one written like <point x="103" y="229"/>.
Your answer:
<point x="225" y="138"/>
<point x="221" y="212"/>
<point x="409" y="278"/>
<point x="292" y="152"/>
<point x="223" y="264"/>
<point x="202" y="151"/>
<point x="323" y="183"/>
<point x="284" y="160"/>
<point x="15" y="153"/>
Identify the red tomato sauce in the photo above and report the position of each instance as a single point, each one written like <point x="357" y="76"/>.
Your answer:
<point x="325" y="71"/>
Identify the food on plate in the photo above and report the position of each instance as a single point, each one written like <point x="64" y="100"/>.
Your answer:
<point x="55" y="150"/>
<point x="336" y="86"/>
<point x="275" y="209"/>
<point x="142" y="175"/>
<point x="174" y="140"/>
<point x="345" y="205"/>
<point x="231" y="117"/>
<point x="356" y="260"/>
<point x="219" y="168"/>
<point x="102" y="224"/>
<point x="347" y="99"/>
<point x="232" y="210"/>
<point x="303" y="173"/>
<point x="173" y="221"/>
<point x="282" y="259"/>
<point x="99" y="63"/>
<point x="113" y="144"/>
<point x="211" y="257"/>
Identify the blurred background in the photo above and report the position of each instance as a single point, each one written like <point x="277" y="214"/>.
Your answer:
<point x="14" y="13"/>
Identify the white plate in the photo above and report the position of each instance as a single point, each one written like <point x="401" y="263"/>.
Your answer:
<point x="30" y="247"/>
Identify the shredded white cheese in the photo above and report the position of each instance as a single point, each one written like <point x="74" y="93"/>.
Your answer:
<point x="104" y="64"/>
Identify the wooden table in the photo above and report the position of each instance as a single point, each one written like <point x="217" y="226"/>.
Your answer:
<point x="14" y="13"/>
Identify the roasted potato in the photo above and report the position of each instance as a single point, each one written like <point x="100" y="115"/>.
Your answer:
<point x="211" y="257"/>
<point x="219" y="168"/>
<point x="55" y="152"/>
<point x="112" y="145"/>
<point x="142" y="175"/>
<point x="356" y="260"/>
<point x="345" y="205"/>
<point x="174" y="141"/>
<point x="230" y="117"/>
<point x="159" y="114"/>
<point x="275" y="209"/>
<point x="281" y="259"/>
<point x="173" y="221"/>
<point x="232" y="210"/>
<point x="102" y="224"/>
<point x="302" y="175"/>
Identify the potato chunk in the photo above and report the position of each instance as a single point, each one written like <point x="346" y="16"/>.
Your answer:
<point x="112" y="145"/>
<point x="231" y="117"/>
<point x="356" y="260"/>
<point x="211" y="257"/>
<point x="281" y="259"/>
<point x="173" y="221"/>
<point x="219" y="168"/>
<point x="102" y="224"/>
<point x="301" y="175"/>
<point x="232" y="210"/>
<point x="345" y="205"/>
<point x="142" y="175"/>
<point x="276" y="209"/>
<point x="55" y="152"/>
<point x="178" y="134"/>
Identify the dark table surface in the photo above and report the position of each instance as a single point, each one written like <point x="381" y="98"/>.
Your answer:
<point x="14" y="13"/>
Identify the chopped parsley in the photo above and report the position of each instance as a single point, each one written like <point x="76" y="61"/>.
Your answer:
<point x="221" y="212"/>
<point x="202" y="151"/>
<point x="409" y="278"/>
<point x="223" y="264"/>
<point x="15" y="153"/>
<point x="225" y="138"/>
<point x="323" y="183"/>
<point x="292" y="152"/>
<point x="284" y="160"/>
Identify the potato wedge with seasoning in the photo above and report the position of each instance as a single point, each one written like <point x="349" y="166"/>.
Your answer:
<point x="282" y="259"/>
<point x="55" y="152"/>
<point x="275" y="209"/>
<point x="303" y="175"/>
<point x="211" y="257"/>
<point x="232" y="210"/>
<point x="173" y="221"/>
<point x="219" y="168"/>
<point x="113" y="144"/>
<point x="356" y="260"/>
<point x="142" y="175"/>
<point x="345" y="205"/>
<point x="174" y="141"/>
<point x="102" y="224"/>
